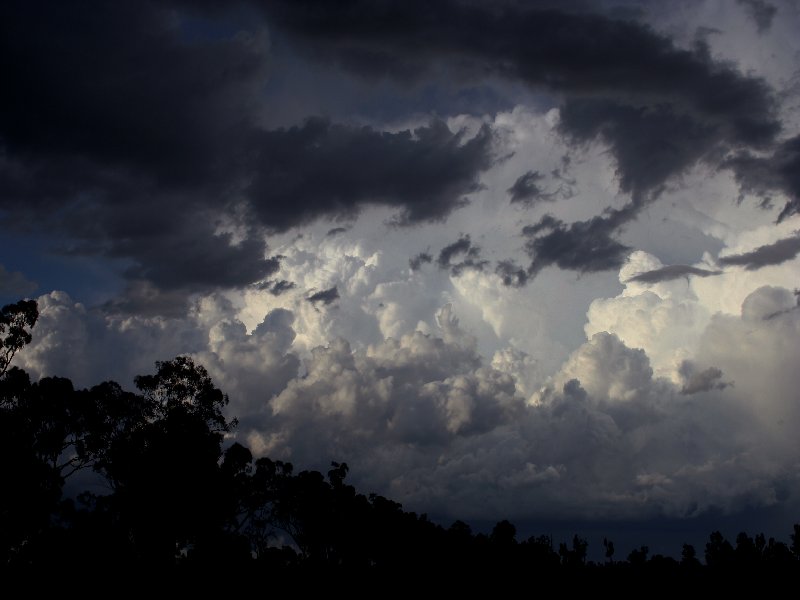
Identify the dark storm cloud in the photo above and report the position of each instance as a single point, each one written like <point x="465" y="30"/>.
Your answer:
<point x="777" y="173"/>
<point x="650" y="143"/>
<point x="529" y="189"/>
<point x="196" y="260"/>
<point x="325" y="297"/>
<point x="461" y="246"/>
<point x="121" y="119"/>
<point x="540" y="44"/>
<point x="583" y="246"/>
<point x="511" y="273"/>
<point x="142" y="298"/>
<point x="276" y="288"/>
<point x="321" y="168"/>
<point x="700" y="381"/>
<point x="647" y="86"/>
<point x="763" y="256"/>
<point x="659" y="108"/>
<point x="671" y="272"/>
<point x="761" y="12"/>
<point x="526" y="189"/>
<point x="417" y="261"/>
<point x="111" y="125"/>
<point x="133" y="129"/>
<point x="336" y="231"/>
<point x="467" y="253"/>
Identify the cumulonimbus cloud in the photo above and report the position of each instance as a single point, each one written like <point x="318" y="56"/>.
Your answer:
<point x="423" y="418"/>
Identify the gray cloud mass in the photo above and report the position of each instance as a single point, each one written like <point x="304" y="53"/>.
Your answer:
<point x="321" y="168"/>
<point x="766" y="255"/>
<point x="526" y="189"/>
<point x="671" y="272"/>
<point x="325" y="297"/>
<point x="777" y="173"/>
<point x="761" y="11"/>
<point x="468" y="253"/>
<point x="14" y="284"/>
<point x="619" y="76"/>
<point x="415" y="262"/>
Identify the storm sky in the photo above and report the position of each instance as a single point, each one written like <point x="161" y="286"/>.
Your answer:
<point x="525" y="260"/>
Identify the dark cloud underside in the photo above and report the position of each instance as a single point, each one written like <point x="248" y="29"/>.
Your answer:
<point x="671" y="272"/>
<point x="461" y="255"/>
<point x="761" y="12"/>
<point x="417" y="261"/>
<point x="583" y="246"/>
<point x="325" y="297"/>
<point x="777" y="173"/>
<point x="527" y="189"/>
<point x="321" y="168"/>
<point x="634" y="70"/>
<point x="111" y="126"/>
<point x="276" y="288"/>
<point x="763" y="256"/>
<point x="134" y="129"/>
<point x="696" y="381"/>
<point x="659" y="108"/>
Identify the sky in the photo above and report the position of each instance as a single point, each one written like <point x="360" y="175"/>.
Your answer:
<point x="524" y="260"/>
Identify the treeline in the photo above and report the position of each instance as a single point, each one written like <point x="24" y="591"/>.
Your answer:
<point x="174" y="499"/>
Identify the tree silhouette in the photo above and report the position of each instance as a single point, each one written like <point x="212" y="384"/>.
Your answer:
<point x="689" y="557"/>
<point x="32" y="486"/>
<point x="538" y="552"/>
<point x="163" y="464"/>
<point x="504" y="534"/>
<point x="719" y="552"/>
<point x="609" y="550"/>
<point x="638" y="556"/>
<point x="576" y="556"/>
<point x="16" y="320"/>
<point x="747" y="551"/>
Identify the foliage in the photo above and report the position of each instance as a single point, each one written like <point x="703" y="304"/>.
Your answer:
<point x="15" y="322"/>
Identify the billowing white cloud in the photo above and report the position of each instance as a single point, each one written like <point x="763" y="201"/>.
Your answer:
<point x="90" y="346"/>
<point x="668" y="318"/>
<point x="424" y="418"/>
